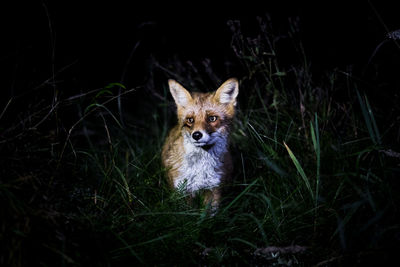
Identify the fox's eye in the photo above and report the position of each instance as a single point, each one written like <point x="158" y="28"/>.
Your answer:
<point x="190" y="120"/>
<point x="212" y="118"/>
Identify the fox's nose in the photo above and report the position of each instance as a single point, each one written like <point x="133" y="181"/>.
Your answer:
<point x="197" y="135"/>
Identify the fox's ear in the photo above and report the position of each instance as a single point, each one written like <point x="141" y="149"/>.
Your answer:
<point x="227" y="92"/>
<point x="181" y="96"/>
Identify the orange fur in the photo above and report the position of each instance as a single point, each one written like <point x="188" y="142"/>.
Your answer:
<point x="196" y="153"/>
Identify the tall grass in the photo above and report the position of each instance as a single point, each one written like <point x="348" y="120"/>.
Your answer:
<point x="314" y="180"/>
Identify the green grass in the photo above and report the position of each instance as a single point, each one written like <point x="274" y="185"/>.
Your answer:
<point x="310" y="171"/>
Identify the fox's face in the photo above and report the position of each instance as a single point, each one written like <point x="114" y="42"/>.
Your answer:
<point x="205" y="117"/>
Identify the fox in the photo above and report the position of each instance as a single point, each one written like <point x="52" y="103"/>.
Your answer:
<point x="196" y="151"/>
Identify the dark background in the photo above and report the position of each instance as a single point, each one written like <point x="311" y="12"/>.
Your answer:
<point x="90" y="44"/>
<point x="53" y="50"/>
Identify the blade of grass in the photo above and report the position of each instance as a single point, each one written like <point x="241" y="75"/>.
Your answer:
<point x="372" y="117"/>
<point x="5" y="108"/>
<point x="125" y="184"/>
<point x="300" y="170"/>
<point x="317" y="148"/>
<point x="156" y="239"/>
<point x="342" y="223"/>
<point x="240" y="195"/>
<point x="259" y="226"/>
<point x="272" y="165"/>
<point x="271" y="209"/>
<point x="127" y="247"/>
<point x="367" y="118"/>
<point x="243" y="241"/>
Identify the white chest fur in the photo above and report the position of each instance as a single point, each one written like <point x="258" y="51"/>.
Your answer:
<point x="201" y="169"/>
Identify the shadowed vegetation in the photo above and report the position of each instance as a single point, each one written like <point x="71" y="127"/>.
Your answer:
<point x="315" y="181"/>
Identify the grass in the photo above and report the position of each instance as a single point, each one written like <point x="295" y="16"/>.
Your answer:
<point x="315" y="179"/>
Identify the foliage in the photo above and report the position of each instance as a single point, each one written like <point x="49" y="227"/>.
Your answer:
<point x="315" y="171"/>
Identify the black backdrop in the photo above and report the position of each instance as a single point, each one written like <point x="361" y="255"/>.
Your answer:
<point x="90" y="42"/>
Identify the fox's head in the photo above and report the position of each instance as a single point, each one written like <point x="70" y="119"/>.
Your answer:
<point x="205" y="117"/>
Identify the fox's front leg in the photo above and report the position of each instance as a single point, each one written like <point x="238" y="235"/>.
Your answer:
<point x="212" y="197"/>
